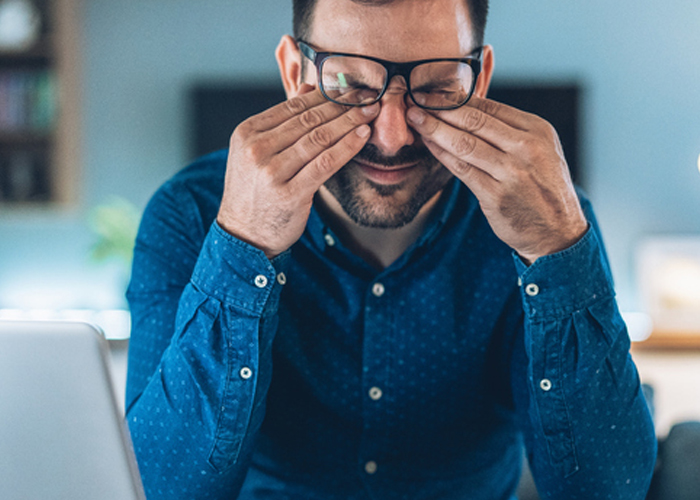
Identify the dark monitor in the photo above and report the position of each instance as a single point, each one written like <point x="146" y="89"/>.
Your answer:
<point x="216" y="110"/>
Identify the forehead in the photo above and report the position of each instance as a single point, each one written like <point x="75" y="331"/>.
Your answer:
<point x="402" y="30"/>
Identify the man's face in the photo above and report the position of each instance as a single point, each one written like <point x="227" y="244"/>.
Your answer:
<point x="395" y="175"/>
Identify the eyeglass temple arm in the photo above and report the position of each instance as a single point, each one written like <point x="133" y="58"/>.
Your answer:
<point x="306" y="50"/>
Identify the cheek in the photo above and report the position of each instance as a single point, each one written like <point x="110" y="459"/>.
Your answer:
<point x="308" y="76"/>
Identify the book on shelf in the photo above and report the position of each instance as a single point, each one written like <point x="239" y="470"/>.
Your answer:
<point x="27" y="101"/>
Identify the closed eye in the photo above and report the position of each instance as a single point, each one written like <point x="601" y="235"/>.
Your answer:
<point x="439" y="87"/>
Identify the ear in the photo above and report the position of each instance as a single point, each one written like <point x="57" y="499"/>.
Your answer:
<point x="289" y="61"/>
<point x="484" y="81"/>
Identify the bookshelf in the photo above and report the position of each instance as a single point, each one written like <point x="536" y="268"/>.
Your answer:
<point x="39" y="108"/>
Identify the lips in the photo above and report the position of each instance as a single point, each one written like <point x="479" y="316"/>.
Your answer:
<point x="383" y="174"/>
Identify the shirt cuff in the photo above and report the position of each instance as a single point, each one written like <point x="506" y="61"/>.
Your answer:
<point x="557" y="285"/>
<point x="238" y="274"/>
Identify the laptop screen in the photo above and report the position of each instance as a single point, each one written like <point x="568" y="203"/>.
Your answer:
<point x="62" y="435"/>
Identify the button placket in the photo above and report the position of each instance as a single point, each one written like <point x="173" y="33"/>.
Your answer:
<point x="375" y="393"/>
<point x="260" y="281"/>
<point x="371" y="467"/>
<point x="378" y="289"/>
<point x="378" y="328"/>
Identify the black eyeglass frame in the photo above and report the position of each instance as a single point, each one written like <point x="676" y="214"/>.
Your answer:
<point x="392" y="69"/>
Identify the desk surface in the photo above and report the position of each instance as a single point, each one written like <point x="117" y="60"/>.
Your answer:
<point x="675" y="377"/>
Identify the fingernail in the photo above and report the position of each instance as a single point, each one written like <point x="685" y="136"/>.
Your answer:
<point x="362" y="130"/>
<point x="371" y="109"/>
<point x="416" y="115"/>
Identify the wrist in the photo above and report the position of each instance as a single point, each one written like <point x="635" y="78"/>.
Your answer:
<point x="555" y="245"/>
<point x="228" y="226"/>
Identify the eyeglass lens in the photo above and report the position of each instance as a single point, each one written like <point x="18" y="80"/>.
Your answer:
<point x="355" y="80"/>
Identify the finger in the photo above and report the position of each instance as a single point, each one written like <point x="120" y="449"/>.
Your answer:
<point x="507" y="114"/>
<point x="285" y="110"/>
<point x="465" y="146"/>
<point x="321" y="138"/>
<point x="311" y="120"/>
<point x="470" y="119"/>
<point x="477" y="180"/>
<point x="314" y="174"/>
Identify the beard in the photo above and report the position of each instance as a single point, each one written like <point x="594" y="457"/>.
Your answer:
<point x="388" y="206"/>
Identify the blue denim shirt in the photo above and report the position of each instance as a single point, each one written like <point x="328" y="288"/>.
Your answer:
<point x="316" y="376"/>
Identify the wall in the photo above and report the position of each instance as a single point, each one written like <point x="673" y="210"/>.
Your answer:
<point x="637" y="61"/>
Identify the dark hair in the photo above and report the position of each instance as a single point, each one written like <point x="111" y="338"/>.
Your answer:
<point x="303" y="13"/>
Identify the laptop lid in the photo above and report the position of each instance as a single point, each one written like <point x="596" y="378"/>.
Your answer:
<point x="62" y="435"/>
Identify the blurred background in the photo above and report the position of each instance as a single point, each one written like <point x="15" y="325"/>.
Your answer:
<point x="124" y="73"/>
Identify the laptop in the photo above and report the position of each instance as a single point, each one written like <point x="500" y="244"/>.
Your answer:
<point x="62" y="435"/>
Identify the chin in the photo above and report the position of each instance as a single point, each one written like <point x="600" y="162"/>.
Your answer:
<point x="386" y="206"/>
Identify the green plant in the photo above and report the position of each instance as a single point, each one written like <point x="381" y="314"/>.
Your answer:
<point x="115" y="224"/>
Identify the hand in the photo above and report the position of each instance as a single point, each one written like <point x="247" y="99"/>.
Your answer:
<point x="279" y="159"/>
<point x="514" y="164"/>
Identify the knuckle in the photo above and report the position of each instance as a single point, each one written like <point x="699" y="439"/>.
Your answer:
<point x="266" y="177"/>
<point x="234" y="139"/>
<point x="537" y="155"/>
<point x="473" y="120"/>
<point x="295" y="105"/>
<point x="462" y="168"/>
<point x="285" y="193"/>
<point x="311" y="119"/>
<point x="240" y="134"/>
<point x="464" y="145"/>
<point x="320" y="137"/>
<point x="549" y="131"/>
<point x="325" y="164"/>
<point x="256" y="151"/>
<point x="490" y="107"/>
<point x="527" y="144"/>
<point x="244" y="129"/>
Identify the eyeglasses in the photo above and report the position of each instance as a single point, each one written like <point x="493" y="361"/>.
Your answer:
<point x="356" y="80"/>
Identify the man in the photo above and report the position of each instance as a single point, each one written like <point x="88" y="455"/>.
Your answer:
<point x="381" y="290"/>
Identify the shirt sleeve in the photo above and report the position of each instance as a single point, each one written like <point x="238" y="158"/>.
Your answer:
<point x="586" y="423"/>
<point x="204" y="315"/>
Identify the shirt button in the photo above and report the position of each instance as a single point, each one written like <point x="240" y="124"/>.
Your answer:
<point x="246" y="373"/>
<point x="532" y="290"/>
<point x="378" y="290"/>
<point x="545" y="384"/>
<point x="330" y="241"/>
<point x="282" y="279"/>
<point x="371" y="467"/>
<point x="260" y="281"/>
<point x="375" y="393"/>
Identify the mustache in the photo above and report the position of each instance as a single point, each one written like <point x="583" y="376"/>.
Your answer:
<point x="407" y="154"/>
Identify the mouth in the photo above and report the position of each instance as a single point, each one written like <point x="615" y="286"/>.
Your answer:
<point x="385" y="174"/>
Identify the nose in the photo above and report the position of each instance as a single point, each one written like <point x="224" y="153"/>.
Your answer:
<point x="390" y="132"/>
